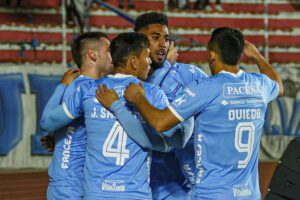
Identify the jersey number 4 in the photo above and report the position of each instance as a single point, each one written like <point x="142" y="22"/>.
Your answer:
<point x="116" y="135"/>
<point x="247" y="147"/>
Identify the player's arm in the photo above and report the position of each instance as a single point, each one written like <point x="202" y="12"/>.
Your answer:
<point x="160" y="73"/>
<point x="179" y="135"/>
<point x="264" y="67"/>
<point x="143" y="135"/>
<point x="160" y="120"/>
<point x="54" y="115"/>
<point x="147" y="137"/>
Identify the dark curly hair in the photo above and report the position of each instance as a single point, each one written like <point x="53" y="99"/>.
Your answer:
<point x="150" y="18"/>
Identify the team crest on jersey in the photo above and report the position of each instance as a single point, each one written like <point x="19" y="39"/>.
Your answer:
<point x="176" y="88"/>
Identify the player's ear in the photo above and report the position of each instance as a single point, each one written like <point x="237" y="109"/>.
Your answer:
<point x="211" y="55"/>
<point x="132" y="61"/>
<point x="92" y="54"/>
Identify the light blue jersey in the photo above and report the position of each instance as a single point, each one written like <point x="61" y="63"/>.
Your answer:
<point x="174" y="172"/>
<point x="229" y="112"/>
<point x="66" y="168"/>
<point x="116" y="167"/>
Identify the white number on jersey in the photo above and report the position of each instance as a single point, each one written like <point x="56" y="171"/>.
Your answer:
<point x="241" y="128"/>
<point x="120" y="152"/>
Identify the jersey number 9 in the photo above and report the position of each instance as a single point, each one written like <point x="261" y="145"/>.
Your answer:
<point x="247" y="147"/>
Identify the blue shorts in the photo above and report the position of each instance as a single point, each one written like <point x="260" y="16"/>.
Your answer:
<point x="55" y="192"/>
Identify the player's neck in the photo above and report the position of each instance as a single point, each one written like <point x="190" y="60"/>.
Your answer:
<point x="92" y="73"/>
<point x="228" y="68"/>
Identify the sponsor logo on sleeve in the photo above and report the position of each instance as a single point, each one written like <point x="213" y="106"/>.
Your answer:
<point x="67" y="148"/>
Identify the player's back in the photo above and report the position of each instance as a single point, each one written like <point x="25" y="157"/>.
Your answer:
<point x="66" y="167"/>
<point x="228" y="129"/>
<point x="167" y="168"/>
<point x="115" y="165"/>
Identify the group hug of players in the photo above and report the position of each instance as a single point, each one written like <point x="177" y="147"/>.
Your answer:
<point x="132" y="123"/>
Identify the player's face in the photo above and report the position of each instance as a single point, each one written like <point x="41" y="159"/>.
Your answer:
<point x="105" y="61"/>
<point x="159" y="38"/>
<point x="143" y="64"/>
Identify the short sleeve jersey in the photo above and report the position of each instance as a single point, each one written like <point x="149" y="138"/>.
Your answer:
<point x="228" y="126"/>
<point x="165" y="168"/>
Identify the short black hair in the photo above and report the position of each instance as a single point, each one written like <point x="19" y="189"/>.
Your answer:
<point x="125" y="45"/>
<point x="81" y="41"/>
<point x="150" y="18"/>
<point x="229" y="43"/>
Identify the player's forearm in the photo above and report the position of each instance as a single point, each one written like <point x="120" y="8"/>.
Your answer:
<point x="179" y="135"/>
<point x="267" y="69"/>
<point x="53" y="114"/>
<point x="135" y="130"/>
<point x="160" y="120"/>
<point x="159" y="74"/>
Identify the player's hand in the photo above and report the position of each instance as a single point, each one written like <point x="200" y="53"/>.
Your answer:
<point x="251" y="51"/>
<point x="133" y="92"/>
<point x="48" y="143"/>
<point x="172" y="53"/>
<point x="69" y="76"/>
<point x="106" y="96"/>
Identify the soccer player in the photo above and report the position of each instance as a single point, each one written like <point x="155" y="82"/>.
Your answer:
<point x="92" y="56"/>
<point x="116" y="167"/>
<point x="229" y="108"/>
<point x="171" y="173"/>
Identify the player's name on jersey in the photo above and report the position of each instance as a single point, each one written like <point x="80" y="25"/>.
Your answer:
<point x="103" y="113"/>
<point x="241" y="114"/>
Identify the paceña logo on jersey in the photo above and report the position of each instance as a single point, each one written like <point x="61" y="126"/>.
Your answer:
<point x="231" y="90"/>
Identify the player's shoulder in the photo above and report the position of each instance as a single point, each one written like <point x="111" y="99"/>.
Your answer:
<point x="150" y="87"/>
<point x="80" y="82"/>
<point x="254" y="76"/>
<point x="184" y="68"/>
<point x="153" y="90"/>
<point x="117" y="79"/>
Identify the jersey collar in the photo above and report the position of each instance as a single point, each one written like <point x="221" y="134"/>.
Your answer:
<point x="240" y="72"/>
<point x="81" y="76"/>
<point x="118" y="75"/>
